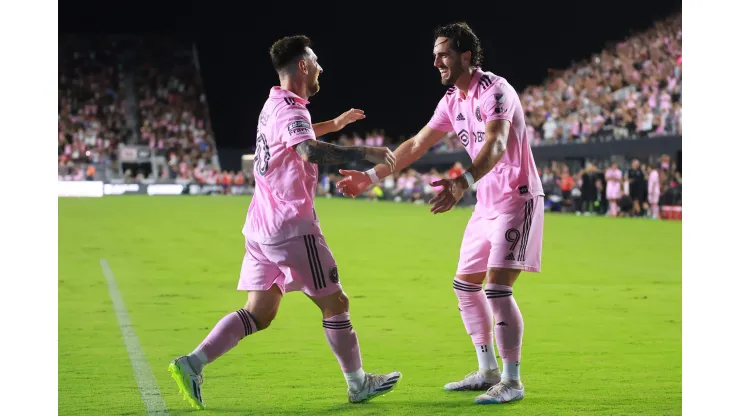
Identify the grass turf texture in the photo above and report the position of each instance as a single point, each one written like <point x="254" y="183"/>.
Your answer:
<point x="602" y="321"/>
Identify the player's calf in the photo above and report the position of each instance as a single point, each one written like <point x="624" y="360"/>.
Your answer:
<point x="343" y="341"/>
<point x="228" y="332"/>
<point x="478" y="319"/>
<point x="509" y="328"/>
<point x="261" y="309"/>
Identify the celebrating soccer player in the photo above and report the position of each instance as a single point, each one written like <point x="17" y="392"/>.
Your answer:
<point x="504" y="234"/>
<point x="285" y="248"/>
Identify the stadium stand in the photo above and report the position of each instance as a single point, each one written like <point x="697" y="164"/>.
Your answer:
<point x="116" y="91"/>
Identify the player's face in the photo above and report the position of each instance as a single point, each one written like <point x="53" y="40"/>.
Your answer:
<point x="314" y="69"/>
<point x="447" y="61"/>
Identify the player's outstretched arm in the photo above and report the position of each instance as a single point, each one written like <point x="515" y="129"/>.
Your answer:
<point x="407" y="153"/>
<point x="322" y="153"/>
<point x="334" y="125"/>
<point x="411" y="150"/>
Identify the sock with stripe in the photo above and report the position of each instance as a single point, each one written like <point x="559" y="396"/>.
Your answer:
<point x="509" y="328"/>
<point x="478" y="320"/>
<point x="343" y="342"/>
<point x="223" y="337"/>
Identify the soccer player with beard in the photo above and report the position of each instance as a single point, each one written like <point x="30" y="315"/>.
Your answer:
<point x="504" y="234"/>
<point x="285" y="248"/>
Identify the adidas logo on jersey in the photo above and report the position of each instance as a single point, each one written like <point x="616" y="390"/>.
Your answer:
<point x="460" y="117"/>
<point x="510" y="257"/>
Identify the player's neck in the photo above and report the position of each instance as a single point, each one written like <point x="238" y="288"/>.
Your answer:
<point x="463" y="81"/>
<point x="296" y="88"/>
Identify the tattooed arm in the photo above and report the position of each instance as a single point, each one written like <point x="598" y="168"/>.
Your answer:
<point x="321" y="153"/>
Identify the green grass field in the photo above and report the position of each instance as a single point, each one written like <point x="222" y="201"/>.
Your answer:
<point x="602" y="320"/>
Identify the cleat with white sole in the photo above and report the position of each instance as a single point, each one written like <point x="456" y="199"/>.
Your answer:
<point x="476" y="381"/>
<point x="188" y="382"/>
<point x="374" y="385"/>
<point x="503" y="392"/>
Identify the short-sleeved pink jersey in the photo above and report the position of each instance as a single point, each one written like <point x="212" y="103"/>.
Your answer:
<point x="514" y="180"/>
<point x="285" y="184"/>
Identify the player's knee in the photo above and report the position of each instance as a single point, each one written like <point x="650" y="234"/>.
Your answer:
<point x="338" y="305"/>
<point x="474" y="279"/>
<point x="262" y="317"/>
<point x="262" y="313"/>
<point x="505" y="277"/>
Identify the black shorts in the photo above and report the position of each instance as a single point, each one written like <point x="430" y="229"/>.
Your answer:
<point x="638" y="195"/>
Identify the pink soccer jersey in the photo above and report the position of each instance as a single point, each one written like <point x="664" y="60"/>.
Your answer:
<point x="613" y="183"/>
<point x="514" y="179"/>
<point x="654" y="187"/>
<point x="283" y="205"/>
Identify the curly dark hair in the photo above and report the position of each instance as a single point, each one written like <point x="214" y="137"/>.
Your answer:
<point x="462" y="39"/>
<point x="285" y="50"/>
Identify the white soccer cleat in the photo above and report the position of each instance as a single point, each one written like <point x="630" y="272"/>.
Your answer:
<point x="475" y="381"/>
<point x="503" y="392"/>
<point x="374" y="385"/>
<point x="188" y="382"/>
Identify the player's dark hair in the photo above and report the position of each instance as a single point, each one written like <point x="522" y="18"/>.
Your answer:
<point x="462" y="39"/>
<point x="287" y="50"/>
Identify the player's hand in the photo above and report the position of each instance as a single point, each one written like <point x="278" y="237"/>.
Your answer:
<point x="354" y="183"/>
<point x="348" y="117"/>
<point x="448" y="197"/>
<point x="380" y="155"/>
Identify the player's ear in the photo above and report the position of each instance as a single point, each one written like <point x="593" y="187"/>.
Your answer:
<point x="303" y="66"/>
<point x="465" y="56"/>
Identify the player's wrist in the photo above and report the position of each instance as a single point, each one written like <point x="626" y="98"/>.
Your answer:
<point x="373" y="175"/>
<point x="467" y="180"/>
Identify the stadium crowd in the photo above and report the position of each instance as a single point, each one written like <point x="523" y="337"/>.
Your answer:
<point x="171" y="114"/>
<point x="630" y="89"/>
<point x="91" y="111"/>
<point x="174" y="113"/>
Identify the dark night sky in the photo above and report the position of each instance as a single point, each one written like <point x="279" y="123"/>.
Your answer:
<point x="376" y="55"/>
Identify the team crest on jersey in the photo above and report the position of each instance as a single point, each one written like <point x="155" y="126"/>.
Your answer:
<point x="477" y="113"/>
<point x="334" y="275"/>
<point x="263" y="118"/>
<point x="500" y="99"/>
<point x="464" y="138"/>
<point x="299" y="127"/>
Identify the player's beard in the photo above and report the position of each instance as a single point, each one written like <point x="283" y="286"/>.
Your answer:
<point x="454" y="73"/>
<point x="314" y="87"/>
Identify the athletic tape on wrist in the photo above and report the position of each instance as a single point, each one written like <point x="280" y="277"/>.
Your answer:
<point x="469" y="178"/>
<point x="373" y="176"/>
